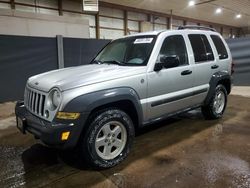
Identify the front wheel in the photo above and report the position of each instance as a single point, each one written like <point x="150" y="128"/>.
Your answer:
<point x="217" y="105"/>
<point x="108" y="139"/>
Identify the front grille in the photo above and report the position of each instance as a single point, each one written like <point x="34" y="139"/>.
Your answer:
<point x="34" y="101"/>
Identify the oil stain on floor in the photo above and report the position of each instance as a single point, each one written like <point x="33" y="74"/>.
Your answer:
<point x="185" y="151"/>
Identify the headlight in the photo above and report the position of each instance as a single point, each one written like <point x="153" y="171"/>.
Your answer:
<point x="54" y="99"/>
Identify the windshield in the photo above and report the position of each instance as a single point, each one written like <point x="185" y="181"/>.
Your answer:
<point x="127" y="51"/>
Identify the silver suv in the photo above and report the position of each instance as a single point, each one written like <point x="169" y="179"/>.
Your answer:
<point x="134" y="81"/>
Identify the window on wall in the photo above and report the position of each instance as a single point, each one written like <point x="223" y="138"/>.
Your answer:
<point x="220" y="47"/>
<point x="201" y="48"/>
<point x="174" y="46"/>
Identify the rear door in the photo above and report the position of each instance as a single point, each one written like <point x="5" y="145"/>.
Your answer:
<point x="222" y="53"/>
<point x="205" y="64"/>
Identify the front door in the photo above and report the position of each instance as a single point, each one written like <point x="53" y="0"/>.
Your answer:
<point x="170" y="89"/>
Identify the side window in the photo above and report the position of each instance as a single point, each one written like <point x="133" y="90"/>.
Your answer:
<point x="201" y="48"/>
<point x="174" y="46"/>
<point x="220" y="47"/>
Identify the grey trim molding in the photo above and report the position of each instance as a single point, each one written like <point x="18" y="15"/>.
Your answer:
<point x="176" y="98"/>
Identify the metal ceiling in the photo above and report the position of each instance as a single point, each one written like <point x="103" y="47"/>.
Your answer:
<point x="203" y="10"/>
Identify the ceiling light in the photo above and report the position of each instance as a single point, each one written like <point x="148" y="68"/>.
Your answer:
<point x="191" y="3"/>
<point x="218" y="10"/>
<point x="238" y="16"/>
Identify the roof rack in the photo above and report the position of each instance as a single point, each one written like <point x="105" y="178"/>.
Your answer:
<point x="196" y="27"/>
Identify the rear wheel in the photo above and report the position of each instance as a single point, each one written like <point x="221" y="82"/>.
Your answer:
<point x="216" y="107"/>
<point x="108" y="139"/>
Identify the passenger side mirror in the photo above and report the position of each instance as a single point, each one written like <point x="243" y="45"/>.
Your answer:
<point x="170" y="61"/>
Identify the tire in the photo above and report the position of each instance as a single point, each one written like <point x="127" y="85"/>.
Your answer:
<point x="217" y="105"/>
<point x="108" y="138"/>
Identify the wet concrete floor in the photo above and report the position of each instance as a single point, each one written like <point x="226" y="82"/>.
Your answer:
<point x="186" y="151"/>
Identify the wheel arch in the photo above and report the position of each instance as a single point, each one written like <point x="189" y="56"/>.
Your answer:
<point x="124" y="98"/>
<point x="221" y="77"/>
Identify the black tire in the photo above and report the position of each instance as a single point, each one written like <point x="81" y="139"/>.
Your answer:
<point x="97" y="121"/>
<point x="208" y="110"/>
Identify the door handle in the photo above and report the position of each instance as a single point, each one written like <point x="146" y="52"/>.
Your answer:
<point x="186" y="72"/>
<point x="214" y="66"/>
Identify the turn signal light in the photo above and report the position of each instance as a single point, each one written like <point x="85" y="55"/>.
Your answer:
<point x="67" y="115"/>
<point x="65" y="135"/>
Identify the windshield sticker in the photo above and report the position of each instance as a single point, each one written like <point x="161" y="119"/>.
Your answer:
<point x="143" y="40"/>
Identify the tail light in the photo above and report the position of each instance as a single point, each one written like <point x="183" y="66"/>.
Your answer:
<point x="232" y="67"/>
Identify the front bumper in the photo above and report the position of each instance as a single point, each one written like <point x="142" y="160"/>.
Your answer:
<point x="49" y="132"/>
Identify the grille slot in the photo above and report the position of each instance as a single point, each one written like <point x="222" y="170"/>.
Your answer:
<point x="34" y="101"/>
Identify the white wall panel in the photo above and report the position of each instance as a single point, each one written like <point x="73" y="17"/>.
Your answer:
<point x="25" y="8"/>
<point x="108" y="34"/>
<point x="158" y="27"/>
<point x="177" y="22"/>
<point x="134" y="25"/>
<point x="161" y="20"/>
<point x="47" y="11"/>
<point x="92" y="32"/>
<point x="174" y="27"/>
<point x="110" y="22"/>
<point x="191" y="23"/>
<point x="91" y="19"/>
<point x="205" y="25"/>
<point x="133" y="32"/>
<point x="4" y="6"/>
<point x="33" y="24"/>
<point x="111" y="12"/>
<point x="137" y="16"/>
<point x="47" y="3"/>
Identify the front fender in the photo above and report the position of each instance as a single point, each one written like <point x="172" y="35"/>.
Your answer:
<point x="90" y="101"/>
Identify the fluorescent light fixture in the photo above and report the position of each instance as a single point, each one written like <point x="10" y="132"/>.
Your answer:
<point x="238" y="16"/>
<point x="218" y="11"/>
<point x="191" y="3"/>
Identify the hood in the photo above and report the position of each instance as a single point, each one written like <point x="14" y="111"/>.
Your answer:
<point x="72" y="77"/>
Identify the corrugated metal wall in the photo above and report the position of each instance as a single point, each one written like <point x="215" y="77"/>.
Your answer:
<point x="240" y="49"/>
<point x="22" y="57"/>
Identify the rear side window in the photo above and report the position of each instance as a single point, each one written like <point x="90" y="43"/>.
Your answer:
<point x="220" y="47"/>
<point x="201" y="48"/>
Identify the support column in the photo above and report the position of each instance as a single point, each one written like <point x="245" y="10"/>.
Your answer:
<point x="60" y="7"/>
<point x="125" y="21"/>
<point x="97" y="26"/>
<point x="60" y="54"/>
<point x="168" y="23"/>
<point x="12" y="4"/>
<point x="171" y="19"/>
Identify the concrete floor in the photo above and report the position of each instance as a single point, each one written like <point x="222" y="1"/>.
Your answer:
<point x="186" y="151"/>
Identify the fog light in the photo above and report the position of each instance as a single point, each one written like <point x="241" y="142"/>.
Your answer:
<point x="65" y="135"/>
<point x="67" y="115"/>
<point x="46" y="114"/>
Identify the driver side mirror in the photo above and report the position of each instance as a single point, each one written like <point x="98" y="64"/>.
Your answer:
<point x="167" y="62"/>
<point x="170" y="61"/>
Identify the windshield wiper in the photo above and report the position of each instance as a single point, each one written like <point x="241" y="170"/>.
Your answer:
<point x="115" y="62"/>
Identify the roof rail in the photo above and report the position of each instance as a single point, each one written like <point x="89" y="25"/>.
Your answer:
<point x="196" y="27"/>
